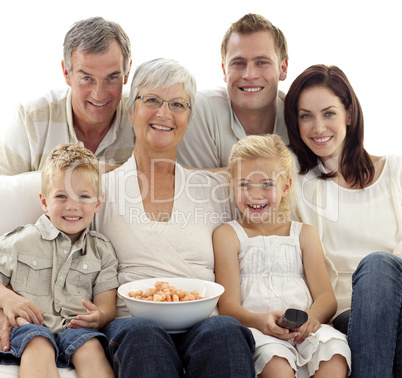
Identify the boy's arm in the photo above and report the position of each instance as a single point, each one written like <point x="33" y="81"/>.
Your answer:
<point x="99" y="312"/>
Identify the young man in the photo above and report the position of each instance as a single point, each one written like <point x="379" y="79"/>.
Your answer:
<point x="96" y="65"/>
<point x="254" y="60"/>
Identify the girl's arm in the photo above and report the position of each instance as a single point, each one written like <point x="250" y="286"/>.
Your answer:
<point x="227" y="273"/>
<point x="99" y="312"/>
<point x="324" y="303"/>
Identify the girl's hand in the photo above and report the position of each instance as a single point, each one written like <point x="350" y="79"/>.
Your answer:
<point x="269" y="327"/>
<point x="312" y="325"/>
<point x="93" y="318"/>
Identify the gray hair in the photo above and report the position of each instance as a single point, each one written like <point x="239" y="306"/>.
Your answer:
<point x="94" y="35"/>
<point x="161" y="73"/>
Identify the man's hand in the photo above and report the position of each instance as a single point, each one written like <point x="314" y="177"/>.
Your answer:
<point x="15" y="305"/>
<point x="5" y="329"/>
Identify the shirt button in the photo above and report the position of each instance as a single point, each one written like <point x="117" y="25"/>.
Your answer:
<point x="60" y="304"/>
<point x="65" y="251"/>
<point x="61" y="278"/>
<point x="34" y="263"/>
<point x="85" y="266"/>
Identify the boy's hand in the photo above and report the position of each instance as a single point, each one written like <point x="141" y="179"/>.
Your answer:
<point x="93" y="318"/>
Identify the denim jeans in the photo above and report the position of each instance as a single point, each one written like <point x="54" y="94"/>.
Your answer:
<point x="218" y="346"/>
<point x="375" y="327"/>
<point x="65" y="344"/>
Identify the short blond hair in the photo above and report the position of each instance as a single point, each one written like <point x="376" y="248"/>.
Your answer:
<point x="270" y="147"/>
<point x="70" y="156"/>
<point x="253" y="23"/>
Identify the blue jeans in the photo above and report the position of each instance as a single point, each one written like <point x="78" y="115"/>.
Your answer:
<point x="375" y="326"/>
<point x="65" y="344"/>
<point x="218" y="346"/>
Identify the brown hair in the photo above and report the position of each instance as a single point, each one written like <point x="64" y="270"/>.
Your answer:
<point x="356" y="165"/>
<point x="252" y="23"/>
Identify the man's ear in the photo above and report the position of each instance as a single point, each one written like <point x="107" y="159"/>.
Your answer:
<point x="128" y="73"/>
<point x="65" y="73"/>
<point x="283" y="69"/>
<point x="224" y="72"/>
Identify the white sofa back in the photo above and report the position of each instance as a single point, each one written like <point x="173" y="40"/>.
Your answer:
<point x="19" y="200"/>
<point x="20" y="205"/>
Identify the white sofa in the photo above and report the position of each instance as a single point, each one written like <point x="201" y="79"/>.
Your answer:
<point x="19" y="205"/>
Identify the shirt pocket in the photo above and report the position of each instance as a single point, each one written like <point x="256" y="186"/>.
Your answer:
<point x="82" y="275"/>
<point x="34" y="274"/>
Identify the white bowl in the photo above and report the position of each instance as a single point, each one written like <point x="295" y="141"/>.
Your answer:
<point x="173" y="316"/>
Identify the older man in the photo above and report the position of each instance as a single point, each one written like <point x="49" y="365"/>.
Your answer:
<point x="254" y="60"/>
<point x="91" y="111"/>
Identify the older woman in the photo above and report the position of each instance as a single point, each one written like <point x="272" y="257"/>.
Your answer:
<point x="160" y="218"/>
<point x="353" y="199"/>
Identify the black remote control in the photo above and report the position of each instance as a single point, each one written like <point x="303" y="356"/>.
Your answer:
<point x="292" y="319"/>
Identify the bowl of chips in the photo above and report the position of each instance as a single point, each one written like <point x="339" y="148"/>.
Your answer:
<point x="175" y="303"/>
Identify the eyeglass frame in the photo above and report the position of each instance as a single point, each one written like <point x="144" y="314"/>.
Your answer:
<point x="168" y="102"/>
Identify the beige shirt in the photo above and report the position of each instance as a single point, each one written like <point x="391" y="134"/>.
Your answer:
<point x="214" y="129"/>
<point x="40" y="125"/>
<point x="352" y="223"/>
<point x="41" y="265"/>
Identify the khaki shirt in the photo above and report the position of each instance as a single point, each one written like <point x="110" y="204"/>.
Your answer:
<point x="214" y="129"/>
<point x="40" y="125"/>
<point x="41" y="265"/>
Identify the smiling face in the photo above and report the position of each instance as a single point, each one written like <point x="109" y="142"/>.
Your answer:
<point x="258" y="187"/>
<point x="252" y="71"/>
<point x="71" y="203"/>
<point x="96" y="82"/>
<point x="160" y="129"/>
<point x="323" y="121"/>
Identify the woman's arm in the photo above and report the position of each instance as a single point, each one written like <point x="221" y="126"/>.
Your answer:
<point x="227" y="273"/>
<point x="324" y="302"/>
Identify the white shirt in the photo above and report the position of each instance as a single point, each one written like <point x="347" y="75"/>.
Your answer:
<point x="352" y="223"/>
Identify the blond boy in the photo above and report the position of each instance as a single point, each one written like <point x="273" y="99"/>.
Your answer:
<point x="62" y="275"/>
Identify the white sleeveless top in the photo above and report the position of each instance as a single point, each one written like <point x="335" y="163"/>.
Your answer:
<point x="271" y="271"/>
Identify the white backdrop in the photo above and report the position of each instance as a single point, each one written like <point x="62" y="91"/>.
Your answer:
<point x="362" y="37"/>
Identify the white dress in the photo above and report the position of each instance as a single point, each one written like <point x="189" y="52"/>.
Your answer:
<point x="272" y="278"/>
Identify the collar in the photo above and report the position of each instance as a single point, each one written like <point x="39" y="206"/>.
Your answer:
<point x="50" y="232"/>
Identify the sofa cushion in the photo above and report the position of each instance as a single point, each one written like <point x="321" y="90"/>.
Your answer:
<point x="19" y="200"/>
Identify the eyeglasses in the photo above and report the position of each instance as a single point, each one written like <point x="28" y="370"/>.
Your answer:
<point x="157" y="102"/>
